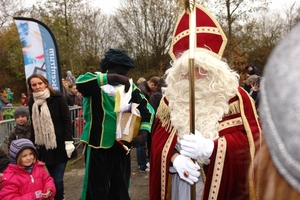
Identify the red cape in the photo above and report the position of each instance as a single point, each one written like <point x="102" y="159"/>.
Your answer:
<point x="227" y="175"/>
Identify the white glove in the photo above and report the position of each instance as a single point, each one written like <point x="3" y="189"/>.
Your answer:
<point x="195" y="146"/>
<point x="69" y="148"/>
<point x="183" y="164"/>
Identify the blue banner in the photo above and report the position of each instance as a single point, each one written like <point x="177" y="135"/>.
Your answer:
<point x="40" y="51"/>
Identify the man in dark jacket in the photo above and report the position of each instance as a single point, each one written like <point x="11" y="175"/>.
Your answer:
<point x="147" y="89"/>
<point x="150" y="86"/>
<point x="73" y="97"/>
<point x="252" y="70"/>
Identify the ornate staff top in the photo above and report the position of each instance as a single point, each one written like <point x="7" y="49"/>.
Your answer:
<point x="189" y="6"/>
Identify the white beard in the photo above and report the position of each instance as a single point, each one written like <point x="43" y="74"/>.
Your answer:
<point x="212" y="94"/>
<point x="210" y="106"/>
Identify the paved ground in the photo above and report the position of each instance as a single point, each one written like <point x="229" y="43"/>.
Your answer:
<point x="75" y="172"/>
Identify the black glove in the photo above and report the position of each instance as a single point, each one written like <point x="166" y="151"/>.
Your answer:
<point x="138" y="140"/>
<point x="115" y="79"/>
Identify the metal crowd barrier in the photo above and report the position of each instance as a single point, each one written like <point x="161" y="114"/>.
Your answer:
<point x="77" y="122"/>
<point x="5" y="127"/>
<point x="76" y="119"/>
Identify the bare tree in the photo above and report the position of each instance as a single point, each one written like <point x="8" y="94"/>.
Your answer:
<point x="260" y="36"/>
<point x="97" y="35"/>
<point x="232" y="14"/>
<point x="8" y="9"/>
<point x="292" y="14"/>
<point x="145" y="28"/>
<point x="61" y="16"/>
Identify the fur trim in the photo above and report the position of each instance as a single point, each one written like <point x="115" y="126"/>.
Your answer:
<point x="163" y="113"/>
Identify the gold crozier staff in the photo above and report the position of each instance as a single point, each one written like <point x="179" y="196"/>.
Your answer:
<point x="190" y="9"/>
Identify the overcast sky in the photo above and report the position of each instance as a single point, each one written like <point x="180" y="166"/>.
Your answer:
<point x="109" y="6"/>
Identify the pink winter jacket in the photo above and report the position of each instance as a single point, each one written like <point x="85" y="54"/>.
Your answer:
<point x="18" y="184"/>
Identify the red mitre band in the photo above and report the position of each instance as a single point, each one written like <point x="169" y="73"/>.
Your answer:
<point x="209" y="34"/>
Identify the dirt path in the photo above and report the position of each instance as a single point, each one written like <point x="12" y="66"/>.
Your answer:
<point x="74" y="177"/>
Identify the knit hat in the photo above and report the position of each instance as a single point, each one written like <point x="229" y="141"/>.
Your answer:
<point x="21" y="110"/>
<point x="17" y="146"/>
<point x="119" y="57"/>
<point x="279" y="108"/>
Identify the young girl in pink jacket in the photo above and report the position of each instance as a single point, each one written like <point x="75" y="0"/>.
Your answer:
<point x="25" y="176"/>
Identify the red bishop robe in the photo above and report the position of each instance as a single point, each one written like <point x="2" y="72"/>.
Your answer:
<point x="230" y="172"/>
